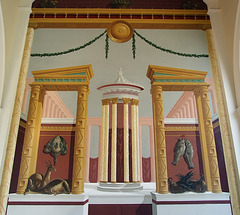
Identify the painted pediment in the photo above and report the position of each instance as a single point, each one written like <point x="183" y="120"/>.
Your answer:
<point x="74" y="74"/>
<point x="174" y="75"/>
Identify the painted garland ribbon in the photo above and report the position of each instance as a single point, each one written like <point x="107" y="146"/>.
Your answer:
<point x="107" y="48"/>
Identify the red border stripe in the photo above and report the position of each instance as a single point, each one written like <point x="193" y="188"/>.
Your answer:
<point x="191" y="202"/>
<point x="47" y="203"/>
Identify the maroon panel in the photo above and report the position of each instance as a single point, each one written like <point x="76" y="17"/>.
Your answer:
<point x="17" y="159"/>
<point x="109" y="154"/>
<point x="64" y="163"/>
<point x="146" y="169"/>
<point x="120" y="115"/>
<point x="220" y="156"/>
<point x="104" y="209"/>
<point x="155" y="4"/>
<point x="120" y="155"/>
<point x="127" y="209"/>
<point x="130" y="154"/>
<point x="182" y="167"/>
<point x="93" y="170"/>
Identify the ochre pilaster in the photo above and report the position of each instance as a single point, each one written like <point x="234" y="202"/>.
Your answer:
<point x="10" y="152"/>
<point x="202" y="92"/>
<point x="227" y="141"/>
<point x="126" y="139"/>
<point x="80" y="141"/>
<point x="202" y="134"/>
<point x="159" y="141"/>
<point x="31" y="138"/>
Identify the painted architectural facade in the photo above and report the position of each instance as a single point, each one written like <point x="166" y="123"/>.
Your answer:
<point x="225" y="86"/>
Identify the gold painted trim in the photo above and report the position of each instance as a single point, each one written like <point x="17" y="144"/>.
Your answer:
<point x="58" y="128"/>
<point x="101" y="18"/>
<point x="120" y="31"/>
<point x="190" y="128"/>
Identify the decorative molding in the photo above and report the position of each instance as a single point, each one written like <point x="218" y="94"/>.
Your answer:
<point x="101" y="18"/>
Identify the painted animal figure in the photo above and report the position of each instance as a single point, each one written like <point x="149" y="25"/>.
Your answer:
<point x="188" y="155"/>
<point x="37" y="181"/>
<point x="179" y="150"/>
<point x="56" y="186"/>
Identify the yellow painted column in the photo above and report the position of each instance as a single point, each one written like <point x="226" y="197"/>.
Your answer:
<point x="105" y="136"/>
<point x="126" y="140"/>
<point x="159" y="141"/>
<point x="31" y="138"/>
<point x="202" y="134"/>
<point x="211" y="146"/>
<point x="114" y="141"/>
<point x="80" y="141"/>
<point x="10" y="152"/>
<point x="227" y="141"/>
<point x="137" y="140"/>
<point x="134" y="102"/>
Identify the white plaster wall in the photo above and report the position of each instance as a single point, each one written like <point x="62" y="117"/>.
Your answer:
<point x="120" y="56"/>
<point x="223" y="19"/>
<point x="15" y="15"/>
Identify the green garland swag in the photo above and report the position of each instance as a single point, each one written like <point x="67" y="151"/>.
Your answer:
<point x="133" y="46"/>
<point x="70" y="50"/>
<point x="107" y="48"/>
<point x="168" y="50"/>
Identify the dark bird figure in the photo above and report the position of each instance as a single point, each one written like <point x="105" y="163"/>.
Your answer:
<point x="188" y="154"/>
<point x="175" y="187"/>
<point x="198" y="186"/>
<point x="179" y="150"/>
<point x="186" y="183"/>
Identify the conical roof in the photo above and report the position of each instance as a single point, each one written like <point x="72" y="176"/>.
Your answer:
<point x="121" y="88"/>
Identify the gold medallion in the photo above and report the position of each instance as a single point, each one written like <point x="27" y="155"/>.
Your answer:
<point x="120" y="31"/>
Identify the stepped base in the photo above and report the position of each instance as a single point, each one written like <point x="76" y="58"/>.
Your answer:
<point x="119" y="187"/>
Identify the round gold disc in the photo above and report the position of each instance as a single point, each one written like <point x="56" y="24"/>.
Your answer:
<point x="120" y="31"/>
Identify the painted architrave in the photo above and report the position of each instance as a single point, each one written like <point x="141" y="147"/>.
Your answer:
<point x="174" y="79"/>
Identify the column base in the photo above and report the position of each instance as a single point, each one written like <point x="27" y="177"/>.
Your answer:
<point x="186" y="203"/>
<point x="119" y="187"/>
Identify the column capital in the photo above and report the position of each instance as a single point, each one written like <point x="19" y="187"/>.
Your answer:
<point x="155" y="89"/>
<point x="114" y="100"/>
<point x="33" y="25"/>
<point x="125" y="100"/>
<point x="134" y="102"/>
<point x="105" y="101"/>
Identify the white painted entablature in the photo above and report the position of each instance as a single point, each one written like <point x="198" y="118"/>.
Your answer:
<point x="121" y="88"/>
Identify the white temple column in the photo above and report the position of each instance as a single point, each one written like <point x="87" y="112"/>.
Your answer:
<point x="137" y="142"/>
<point x="126" y="140"/>
<point x="104" y="148"/>
<point x="114" y="141"/>
<point x="134" y="141"/>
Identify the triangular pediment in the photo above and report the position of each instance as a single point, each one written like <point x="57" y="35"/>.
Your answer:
<point x="68" y="78"/>
<point x="67" y="72"/>
<point x="159" y="72"/>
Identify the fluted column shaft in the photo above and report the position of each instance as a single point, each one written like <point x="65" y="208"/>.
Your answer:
<point x="137" y="140"/>
<point x="114" y="141"/>
<point x="159" y="140"/>
<point x="105" y="136"/>
<point x="31" y="138"/>
<point x="206" y="124"/>
<point x="11" y="146"/>
<point x="135" y="148"/>
<point x="80" y="141"/>
<point x="227" y="141"/>
<point x="126" y="140"/>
